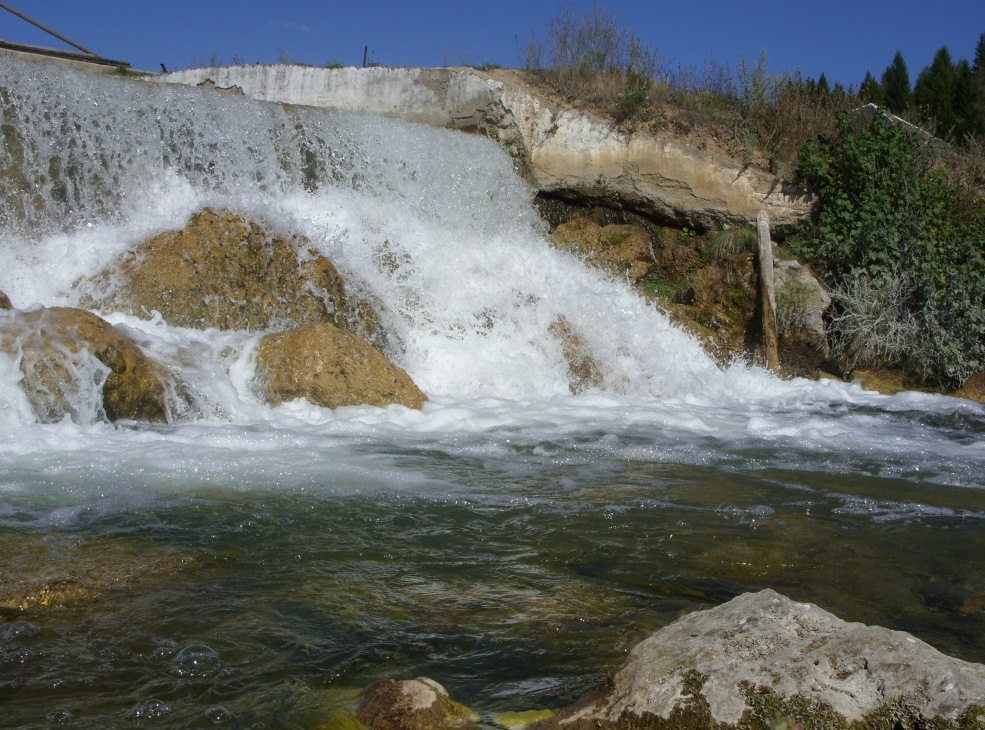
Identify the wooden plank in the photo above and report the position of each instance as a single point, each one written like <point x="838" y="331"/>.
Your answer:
<point x="766" y="293"/>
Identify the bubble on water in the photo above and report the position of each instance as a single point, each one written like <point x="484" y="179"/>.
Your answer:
<point x="218" y="714"/>
<point x="149" y="710"/>
<point x="196" y="660"/>
<point x="165" y="648"/>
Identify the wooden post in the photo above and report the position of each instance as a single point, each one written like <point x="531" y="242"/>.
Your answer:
<point x="767" y="297"/>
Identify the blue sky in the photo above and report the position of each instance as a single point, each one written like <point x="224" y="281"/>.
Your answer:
<point x="841" y="39"/>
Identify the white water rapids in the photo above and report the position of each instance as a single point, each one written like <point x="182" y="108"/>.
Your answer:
<point x="439" y="228"/>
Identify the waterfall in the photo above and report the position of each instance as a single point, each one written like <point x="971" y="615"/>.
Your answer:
<point x="435" y="225"/>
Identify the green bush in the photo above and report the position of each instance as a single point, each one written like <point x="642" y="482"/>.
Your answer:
<point x="888" y="220"/>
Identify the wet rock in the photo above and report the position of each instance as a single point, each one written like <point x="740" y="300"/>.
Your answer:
<point x="330" y="368"/>
<point x="801" y="303"/>
<point x="227" y="272"/>
<point x="414" y="704"/>
<point x="623" y="250"/>
<point x="5" y="301"/>
<point x="973" y="388"/>
<point x="761" y="655"/>
<point x="584" y="371"/>
<point x="521" y="720"/>
<point x="887" y="382"/>
<point x="43" y="571"/>
<point x="76" y="364"/>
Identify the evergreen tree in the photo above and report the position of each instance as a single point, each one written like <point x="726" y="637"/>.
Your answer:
<point x="965" y="106"/>
<point x="934" y="92"/>
<point x="896" y="85"/>
<point x="822" y="85"/>
<point x="978" y="82"/>
<point x="871" y="90"/>
<point x="979" y="65"/>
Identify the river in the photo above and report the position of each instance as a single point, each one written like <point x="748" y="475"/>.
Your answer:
<point x="248" y="566"/>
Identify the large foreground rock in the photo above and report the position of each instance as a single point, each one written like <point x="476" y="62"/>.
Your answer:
<point x="75" y="364"/>
<point x="762" y="655"/>
<point x="330" y="368"/>
<point x="569" y="153"/>
<point x="227" y="272"/>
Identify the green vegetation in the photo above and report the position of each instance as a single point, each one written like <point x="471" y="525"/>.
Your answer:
<point x="794" y="302"/>
<point x="903" y="247"/>
<point x="899" y="232"/>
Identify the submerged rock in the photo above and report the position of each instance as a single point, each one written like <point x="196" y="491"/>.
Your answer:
<point x="414" y="704"/>
<point x="330" y="368"/>
<point x="584" y="371"/>
<point x="761" y="655"/>
<point x="54" y="569"/>
<point x="227" y="272"/>
<point x="76" y="364"/>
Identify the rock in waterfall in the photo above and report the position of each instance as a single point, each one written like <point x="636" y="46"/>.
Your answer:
<point x="330" y="368"/>
<point x="76" y="364"/>
<point x="228" y="272"/>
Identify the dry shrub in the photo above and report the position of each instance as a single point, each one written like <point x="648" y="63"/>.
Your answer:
<point x="593" y="58"/>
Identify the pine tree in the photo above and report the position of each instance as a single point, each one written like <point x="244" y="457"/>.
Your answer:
<point x="871" y="90"/>
<point x="978" y="68"/>
<point x="935" y="89"/>
<point x="822" y="85"/>
<point x="896" y="85"/>
<point x="978" y="82"/>
<point x="965" y="102"/>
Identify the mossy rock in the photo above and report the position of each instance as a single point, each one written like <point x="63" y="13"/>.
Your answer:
<point x="415" y="704"/>
<point x="521" y="720"/>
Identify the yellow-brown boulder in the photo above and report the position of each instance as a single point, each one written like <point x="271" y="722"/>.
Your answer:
<point x="227" y="272"/>
<point x="330" y="368"/>
<point x="67" y="354"/>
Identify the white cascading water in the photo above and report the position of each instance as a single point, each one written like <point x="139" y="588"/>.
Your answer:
<point x="434" y="224"/>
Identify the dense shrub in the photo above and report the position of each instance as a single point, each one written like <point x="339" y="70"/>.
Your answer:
<point x="902" y="247"/>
